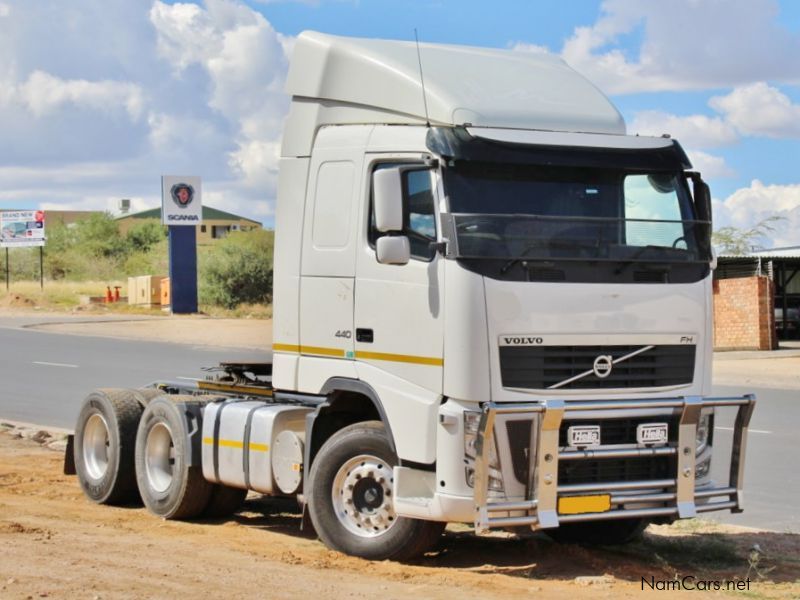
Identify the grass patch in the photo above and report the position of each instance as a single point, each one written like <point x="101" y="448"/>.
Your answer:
<point x="56" y="295"/>
<point x="68" y="296"/>
<point x="703" y="550"/>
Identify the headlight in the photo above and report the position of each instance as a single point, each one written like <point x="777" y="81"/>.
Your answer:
<point x="702" y="469"/>
<point x="471" y="421"/>
<point x="704" y="427"/>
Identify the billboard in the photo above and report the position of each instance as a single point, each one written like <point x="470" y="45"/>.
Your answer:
<point x="180" y="200"/>
<point x="21" y="228"/>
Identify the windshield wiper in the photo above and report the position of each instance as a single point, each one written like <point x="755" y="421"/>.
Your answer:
<point x="573" y="244"/>
<point x="506" y="267"/>
<point x="627" y="262"/>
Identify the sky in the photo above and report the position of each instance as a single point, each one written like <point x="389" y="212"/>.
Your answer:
<point x="99" y="98"/>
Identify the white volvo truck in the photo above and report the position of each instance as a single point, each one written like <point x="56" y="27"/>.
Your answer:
<point x="491" y="306"/>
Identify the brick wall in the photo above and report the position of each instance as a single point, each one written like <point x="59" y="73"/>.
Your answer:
<point x="744" y="317"/>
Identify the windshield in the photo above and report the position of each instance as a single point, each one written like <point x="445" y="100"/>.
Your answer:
<point x="524" y="213"/>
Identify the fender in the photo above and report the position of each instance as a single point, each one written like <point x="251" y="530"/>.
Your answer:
<point x="343" y="384"/>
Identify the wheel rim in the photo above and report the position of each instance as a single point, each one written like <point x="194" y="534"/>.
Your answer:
<point x="159" y="457"/>
<point x="95" y="446"/>
<point x="362" y="496"/>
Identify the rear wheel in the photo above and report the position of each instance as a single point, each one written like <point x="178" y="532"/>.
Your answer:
<point x="105" y="437"/>
<point x="613" y="532"/>
<point x="169" y="487"/>
<point x="351" y="503"/>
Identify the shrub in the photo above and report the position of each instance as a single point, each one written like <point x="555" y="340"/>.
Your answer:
<point x="238" y="269"/>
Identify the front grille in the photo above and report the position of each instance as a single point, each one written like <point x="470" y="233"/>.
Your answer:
<point x="621" y="431"/>
<point x="540" y="367"/>
<point x="606" y="470"/>
<point x="612" y="431"/>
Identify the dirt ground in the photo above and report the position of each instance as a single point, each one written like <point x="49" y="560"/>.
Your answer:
<point x="56" y="544"/>
<point x="190" y="329"/>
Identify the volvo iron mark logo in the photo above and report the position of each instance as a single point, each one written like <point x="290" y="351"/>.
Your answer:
<point x="602" y="366"/>
<point x="182" y="194"/>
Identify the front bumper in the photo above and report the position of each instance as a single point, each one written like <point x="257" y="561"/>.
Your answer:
<point x="673" y="496"/>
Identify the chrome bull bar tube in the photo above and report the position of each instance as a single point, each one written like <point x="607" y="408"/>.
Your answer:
<point x="677" y="494"/>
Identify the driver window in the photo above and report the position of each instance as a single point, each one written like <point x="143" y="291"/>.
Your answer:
<point x="419" y="215"/>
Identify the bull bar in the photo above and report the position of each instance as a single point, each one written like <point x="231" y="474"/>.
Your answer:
<point x="539" y="509"/>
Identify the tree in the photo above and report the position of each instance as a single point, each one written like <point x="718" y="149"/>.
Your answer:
<point x="143" y="236"/>
<point x="739" y="242"/>
<point x="98" y="235"/>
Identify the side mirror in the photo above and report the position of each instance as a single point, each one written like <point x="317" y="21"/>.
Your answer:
<point x="393" y="250"/>
<point x="702" y="197"/>
<point x="388" y="198"/>
<point x="702" y="205"/>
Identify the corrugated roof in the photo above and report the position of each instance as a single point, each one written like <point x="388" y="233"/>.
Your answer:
<point x="783" y="252"/>
<point x="209" y="212"/>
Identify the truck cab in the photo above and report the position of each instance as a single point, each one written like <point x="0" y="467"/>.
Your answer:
<point x="477" y="257"/>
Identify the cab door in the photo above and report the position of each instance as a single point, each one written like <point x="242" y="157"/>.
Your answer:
<point x="328" y="263"/>
<point x="398" y="308"/>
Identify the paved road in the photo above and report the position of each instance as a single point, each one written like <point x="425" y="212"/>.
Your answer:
<point x="772" y="484"/>
<point x="46" y="376"/>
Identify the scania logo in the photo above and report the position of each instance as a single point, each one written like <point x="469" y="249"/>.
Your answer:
<point x="182" y="194"/>
<point x="603" y="365"/>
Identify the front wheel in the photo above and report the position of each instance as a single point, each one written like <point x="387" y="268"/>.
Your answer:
<point x="351" y="502"/>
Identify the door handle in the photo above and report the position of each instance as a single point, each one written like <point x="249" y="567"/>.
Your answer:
<point x="364" y="335"/>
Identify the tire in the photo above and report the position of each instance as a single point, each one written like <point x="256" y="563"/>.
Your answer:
<point x="145" y="395"/>
<point x="613" y="532"/>
<point x="105" y="441"/>
<point x="350" y="502"/>
<point x="224" y="501"/>
<point x="169" y="487"/>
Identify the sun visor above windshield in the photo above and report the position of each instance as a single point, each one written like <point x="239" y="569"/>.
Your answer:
<point x="557" y="149"/>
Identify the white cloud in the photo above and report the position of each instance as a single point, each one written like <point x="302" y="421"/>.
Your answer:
<point x="760" y="110"/>
<point x="686" y="44"/>
<point x="257" y="162"/>
<point x="709" y="165"/>
<point x="532" y="48"/>
<point x="246" y="62"/>
<point x="698" y="131"/>
<point x="186" y="34"/>
<point x="43" y="93"/>
<point x="748" y="206"/>
<point x="183" y="88"/>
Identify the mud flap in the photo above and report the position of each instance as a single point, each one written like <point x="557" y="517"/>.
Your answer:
<point x="69" y="456"/>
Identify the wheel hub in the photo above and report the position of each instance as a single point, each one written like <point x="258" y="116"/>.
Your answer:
<point x="95" y="446"/>
<point x="159" y="457"/>
<point x="362" y="496"/>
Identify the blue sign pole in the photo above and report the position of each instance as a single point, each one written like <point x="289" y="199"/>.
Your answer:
<point x="183" y="268"/>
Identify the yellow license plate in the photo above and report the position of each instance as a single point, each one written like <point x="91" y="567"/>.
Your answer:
<point x="577" y="505"/>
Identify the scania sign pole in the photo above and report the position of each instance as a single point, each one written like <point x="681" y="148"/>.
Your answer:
<point x="182" y="211"/>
